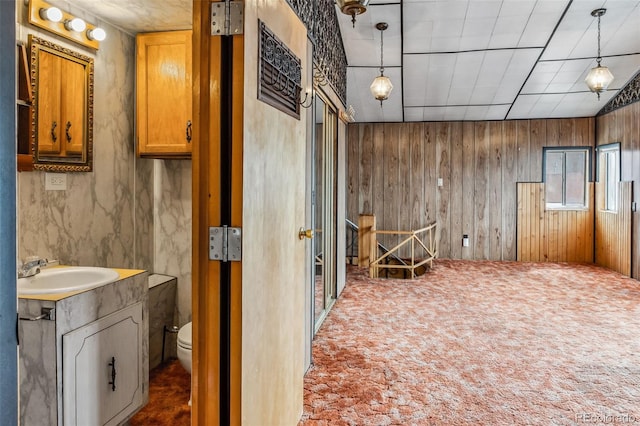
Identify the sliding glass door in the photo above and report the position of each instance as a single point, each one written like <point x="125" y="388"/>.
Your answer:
<point x="324" y="208"/>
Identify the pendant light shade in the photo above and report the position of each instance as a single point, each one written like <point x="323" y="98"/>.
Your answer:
<point x="599" y="78"/>
<point x="353" y="8"/>
<point x="381" y="86"/>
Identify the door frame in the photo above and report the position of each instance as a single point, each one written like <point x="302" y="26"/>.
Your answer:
<point x="8" y="222"/>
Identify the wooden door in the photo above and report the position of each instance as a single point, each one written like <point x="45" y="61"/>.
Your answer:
<point x="164" y="100"/>
<point x="73" y="85"/>
<point x="248" y="171"/>
<point x="48" y="103"/>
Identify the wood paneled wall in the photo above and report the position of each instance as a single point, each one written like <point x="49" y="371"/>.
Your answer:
<point x="623" y="125"/>
<point x="393" y="171"/>
<point x="552" y="235"/>
<point x="613" y="230"/>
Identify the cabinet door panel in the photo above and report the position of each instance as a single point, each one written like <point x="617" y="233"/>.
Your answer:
<point x="73" y="85"/>
<point x="164" y="93"/>
<point x="48" y="98"/>
<point x="88" y="396"/>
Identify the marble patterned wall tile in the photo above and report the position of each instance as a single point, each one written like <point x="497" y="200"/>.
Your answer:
<point x="92" y="221"/>
<point x="144" y="242"/>
<point x="172" y="235"/>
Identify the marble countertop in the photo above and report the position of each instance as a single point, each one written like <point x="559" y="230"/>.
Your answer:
<point x="54" y="297"/>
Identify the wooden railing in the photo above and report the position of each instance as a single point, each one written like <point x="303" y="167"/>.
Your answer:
<point x="422" y="245"/>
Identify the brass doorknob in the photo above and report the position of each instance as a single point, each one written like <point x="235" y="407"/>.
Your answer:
<point x="305" y="233"/>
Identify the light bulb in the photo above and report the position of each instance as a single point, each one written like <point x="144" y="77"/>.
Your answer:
<point x="52" y="14"/>
<point x="97" y="34"/>
<point x="75" y="24"/>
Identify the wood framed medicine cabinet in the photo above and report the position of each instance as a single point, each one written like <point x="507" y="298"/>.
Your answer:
<point x="62" y="112"/>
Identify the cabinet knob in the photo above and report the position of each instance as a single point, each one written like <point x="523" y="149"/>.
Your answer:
<point x="189" y="131"/>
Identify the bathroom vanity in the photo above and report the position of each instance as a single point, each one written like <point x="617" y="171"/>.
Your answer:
<point x="85" y="362"/>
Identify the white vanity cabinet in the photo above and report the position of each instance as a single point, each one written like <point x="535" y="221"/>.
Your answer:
<point x="64" y="361"/>
<point x="102" y="368"/>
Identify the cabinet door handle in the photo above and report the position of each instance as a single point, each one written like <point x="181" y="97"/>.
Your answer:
<point x="188" y="131"/>
<point x="53" y="131"/>
<point x="112" y="364"/>
<point x="66" y="130"/>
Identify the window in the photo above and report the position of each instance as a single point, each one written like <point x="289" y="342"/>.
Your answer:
<point x="609" y="175"/>
<point x="566" y="173"/>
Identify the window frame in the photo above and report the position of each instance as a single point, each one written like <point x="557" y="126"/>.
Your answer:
<point x="588" y="177"/>
<point x="606" y="149"/>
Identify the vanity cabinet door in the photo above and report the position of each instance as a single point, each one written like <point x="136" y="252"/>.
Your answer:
<point x="103" y="369"/>
<point x="164" y="93"/>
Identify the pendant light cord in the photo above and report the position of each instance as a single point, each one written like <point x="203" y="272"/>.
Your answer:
<point x="599" y="58"/>
<point x="381" y="52"/>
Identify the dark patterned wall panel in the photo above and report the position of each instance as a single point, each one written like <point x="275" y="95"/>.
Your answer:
<point x="628" y="95"/>
<point x="319" y="16"/>
<point x="280" y="76"/>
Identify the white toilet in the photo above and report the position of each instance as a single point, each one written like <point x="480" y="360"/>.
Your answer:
<point x="184" y="348"/>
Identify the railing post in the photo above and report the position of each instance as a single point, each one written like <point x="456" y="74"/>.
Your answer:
<point x="367" y="246"/>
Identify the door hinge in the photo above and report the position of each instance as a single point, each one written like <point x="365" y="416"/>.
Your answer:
<point x="227" y="18"/>
<point x="225" y="243"/>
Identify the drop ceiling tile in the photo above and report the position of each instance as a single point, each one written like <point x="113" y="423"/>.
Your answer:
<point x="475" y="42"/>
<point x="460" y="96"/>
<point x="444" y="114"/>
<point x="445" y="44"/>
<point x="497" y="112"/>
<point x="481" y="27"/>
<point x="517" y="8"/>
<point x="583" y="104"/>
<point x="478" y="113"/>
<point x="483" y="9"/>
<point x="482" y="95"/>
<point x="445" y="9"/>
<point x="542" y="22"/>
<point x="448" y="27"/>
<point x="413" y="114"/>
<point x="521" y="108"/>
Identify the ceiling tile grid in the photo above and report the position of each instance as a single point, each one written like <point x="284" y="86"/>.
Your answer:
<point x="490" y="60"/>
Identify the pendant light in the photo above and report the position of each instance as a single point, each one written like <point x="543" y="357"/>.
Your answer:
<point x="599" y="78"/>
<point x="381" y="86"/>
<point x="353" y="8"/>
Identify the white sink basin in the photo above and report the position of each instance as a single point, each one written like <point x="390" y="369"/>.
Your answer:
<point x="65" y="279"/>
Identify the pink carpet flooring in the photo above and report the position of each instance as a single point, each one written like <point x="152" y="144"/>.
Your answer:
<point x="485" y="343"/>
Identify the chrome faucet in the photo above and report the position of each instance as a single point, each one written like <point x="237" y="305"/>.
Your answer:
<point x="31" y="267"/>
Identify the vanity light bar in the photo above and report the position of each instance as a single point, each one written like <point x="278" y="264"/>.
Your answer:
<point x="50" y="18"/>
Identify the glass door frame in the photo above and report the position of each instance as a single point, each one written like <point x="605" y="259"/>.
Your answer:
<point x="329" y="198"/>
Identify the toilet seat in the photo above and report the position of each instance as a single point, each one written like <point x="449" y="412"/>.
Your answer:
<point x="184" y="336"/>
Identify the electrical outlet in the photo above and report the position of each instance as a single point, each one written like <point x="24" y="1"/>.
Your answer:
<point x="465" y="240"/>
<point x="440" y="182"/>
<point x="55" y="181"/>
